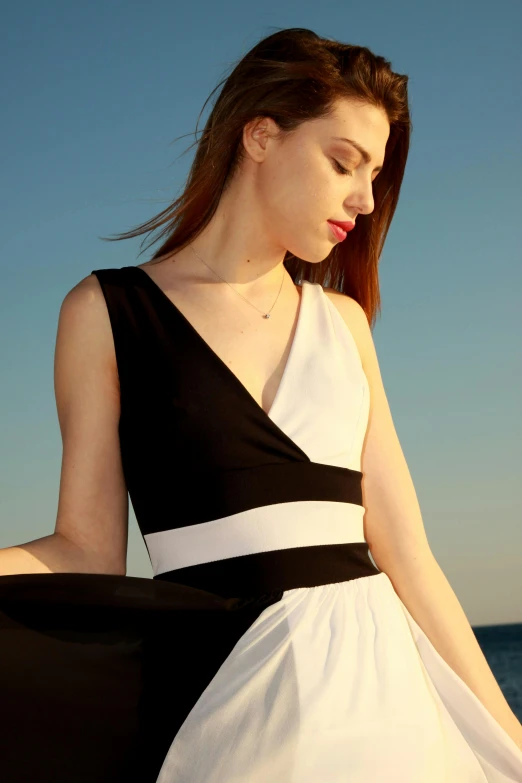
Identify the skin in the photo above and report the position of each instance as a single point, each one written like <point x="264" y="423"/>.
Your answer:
<point x="280" y="199"/>
<point x="285" y="192"/>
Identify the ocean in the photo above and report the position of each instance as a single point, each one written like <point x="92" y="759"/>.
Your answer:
<point x="502" y="646"/>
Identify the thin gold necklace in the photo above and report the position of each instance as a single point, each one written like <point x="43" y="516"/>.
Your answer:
<point x="265" y="315"/>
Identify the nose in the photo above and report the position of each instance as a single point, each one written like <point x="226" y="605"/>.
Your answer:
<point x="361" y="199"/>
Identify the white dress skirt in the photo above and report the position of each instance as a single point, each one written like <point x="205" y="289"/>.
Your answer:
<point x="338" y="683"/>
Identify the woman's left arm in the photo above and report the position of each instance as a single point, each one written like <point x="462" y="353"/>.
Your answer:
<point x="395" y="534"/>
<point x="425" y="591"/>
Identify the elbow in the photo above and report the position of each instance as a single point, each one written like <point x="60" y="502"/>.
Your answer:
<point x="398" y="559"/>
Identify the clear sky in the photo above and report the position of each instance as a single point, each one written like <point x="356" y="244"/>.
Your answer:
<point x="94" y="93"/>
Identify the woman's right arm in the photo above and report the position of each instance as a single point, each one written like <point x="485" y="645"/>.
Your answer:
<point x="92" y="519"/>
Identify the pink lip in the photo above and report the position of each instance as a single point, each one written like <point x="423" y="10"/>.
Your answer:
<point x="337" y="231"/>
<point x="346" y="225"/>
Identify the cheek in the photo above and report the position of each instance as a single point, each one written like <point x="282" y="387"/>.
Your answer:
<point x="297" y="206"/>
<point x="297" y="193"/>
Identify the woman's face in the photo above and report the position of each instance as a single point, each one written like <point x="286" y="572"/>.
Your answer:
<point x="300" y="185"/>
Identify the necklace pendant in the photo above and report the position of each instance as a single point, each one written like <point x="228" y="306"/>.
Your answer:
<point x="266" y="315"/>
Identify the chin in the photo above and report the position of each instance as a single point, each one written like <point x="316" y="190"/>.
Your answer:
<point x="312" y="254"/>
<point x="321" y="255"/>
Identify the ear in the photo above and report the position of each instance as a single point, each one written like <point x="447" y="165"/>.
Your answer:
<point x="256" y="136"/>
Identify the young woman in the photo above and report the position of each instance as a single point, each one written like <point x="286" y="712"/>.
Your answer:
<point x="298" y="627"/>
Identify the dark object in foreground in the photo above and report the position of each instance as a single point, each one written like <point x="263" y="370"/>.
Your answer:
<point x="93" y="672"/>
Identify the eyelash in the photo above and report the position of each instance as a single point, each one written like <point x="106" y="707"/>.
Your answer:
<point x="340" y="169"/>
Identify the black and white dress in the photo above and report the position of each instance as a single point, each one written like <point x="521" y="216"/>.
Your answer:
<point x="268" y="647"/>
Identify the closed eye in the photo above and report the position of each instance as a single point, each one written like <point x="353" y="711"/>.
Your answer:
<point x="340" y="168"/>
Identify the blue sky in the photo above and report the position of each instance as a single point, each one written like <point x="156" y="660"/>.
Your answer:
<point x="94" y="95"/>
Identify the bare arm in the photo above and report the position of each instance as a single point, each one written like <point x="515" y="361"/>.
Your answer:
<point x="92" y="519"/>
<point x="397" y="539"/>
<point x="50" y="554"/>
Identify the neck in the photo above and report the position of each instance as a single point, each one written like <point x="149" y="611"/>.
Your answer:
<point x="237" y="247"/>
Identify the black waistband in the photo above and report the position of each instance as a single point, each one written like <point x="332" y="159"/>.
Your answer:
<point x="281" y="569"/>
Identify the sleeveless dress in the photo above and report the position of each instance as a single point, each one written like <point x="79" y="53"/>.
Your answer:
<point x="268" y="647"/>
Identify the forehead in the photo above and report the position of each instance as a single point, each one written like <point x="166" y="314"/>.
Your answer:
<point x="353" y="120"/>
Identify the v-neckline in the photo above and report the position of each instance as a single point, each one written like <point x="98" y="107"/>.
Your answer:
<point x="240" y="385"/>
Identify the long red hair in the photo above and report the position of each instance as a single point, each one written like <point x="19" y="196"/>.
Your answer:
<point x="292" y="76"/>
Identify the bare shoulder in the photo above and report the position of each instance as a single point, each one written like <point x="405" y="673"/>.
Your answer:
<point x="84" y="298"/>
<point x="84" y="319"/>
<point x="86" y="293"/>
<point x="355" y="319"/>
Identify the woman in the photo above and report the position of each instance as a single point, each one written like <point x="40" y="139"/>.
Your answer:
<point x="263" y="466"/>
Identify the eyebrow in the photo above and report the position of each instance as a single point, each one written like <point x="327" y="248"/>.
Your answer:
<point x="366" y="155"/>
